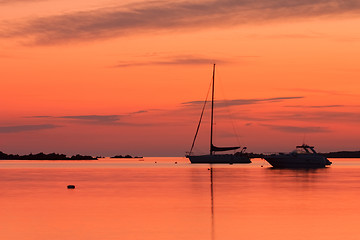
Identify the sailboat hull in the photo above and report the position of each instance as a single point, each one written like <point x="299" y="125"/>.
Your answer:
<point x="220" y="158"/>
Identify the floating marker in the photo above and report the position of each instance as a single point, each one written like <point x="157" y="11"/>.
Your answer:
<point x="71" y="186"/>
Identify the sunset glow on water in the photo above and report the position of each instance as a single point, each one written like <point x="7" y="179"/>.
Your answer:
<point x="131" y="199"/>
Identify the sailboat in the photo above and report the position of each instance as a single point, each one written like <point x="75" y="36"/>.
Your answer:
<point x="212" y="157"/>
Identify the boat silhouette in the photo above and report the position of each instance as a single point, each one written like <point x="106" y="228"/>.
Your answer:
<point x="304" y="156"/>
<point x="212" y="157"/>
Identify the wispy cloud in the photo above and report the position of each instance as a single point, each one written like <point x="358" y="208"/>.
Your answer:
<point x="95" y="118"/>
<point x="325" y="116"/>
<point x="297" y="129"/>
<point x="40" y="116"/>
<point x="120" y="120"/>
<point x="180" y="60"/>
<point x="167" y="15"/>
<point x="25" y="128"/>
<point x="315" y="106"/>
<point x="5" y="55"/>
<point x="320" y="91"/>
<point x="139" y="112"/>
<point x="319" y="116"/>
<point x="179" y="115"/>
<point x="238" y="102"/>
<point x="15" y="1"/>
<point x="311" y="35"/>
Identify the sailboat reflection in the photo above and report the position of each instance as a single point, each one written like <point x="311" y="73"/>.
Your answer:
<point x="212" y="203"/>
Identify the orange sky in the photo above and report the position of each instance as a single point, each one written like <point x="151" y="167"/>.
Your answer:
<point x="103" y="78"/>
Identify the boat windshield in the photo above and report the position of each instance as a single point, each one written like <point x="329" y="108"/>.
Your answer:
<point x="300" y="151"/>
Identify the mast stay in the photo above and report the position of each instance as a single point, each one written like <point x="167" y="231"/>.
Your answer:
<point x="198" y="126"/>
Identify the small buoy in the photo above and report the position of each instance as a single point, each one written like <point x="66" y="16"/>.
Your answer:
<point x="209" y="169"/>
<point x="175" y="162"/>
<point x="262" y="166"/>
<point x="155" y="162"/>
<point x="71" y="186"/>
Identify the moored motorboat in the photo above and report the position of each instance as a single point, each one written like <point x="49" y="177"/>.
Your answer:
<point x="304" y="156"/>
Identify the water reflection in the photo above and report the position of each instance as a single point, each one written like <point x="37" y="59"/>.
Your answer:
<point x="143" y="200"/>
<point x="212" y="203"/>
<point x="297" y="178"/>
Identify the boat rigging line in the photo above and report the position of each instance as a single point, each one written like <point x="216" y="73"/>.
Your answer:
<point x="201" y="115"/>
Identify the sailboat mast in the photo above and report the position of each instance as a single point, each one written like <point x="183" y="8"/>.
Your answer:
<point x="212" y="110"/>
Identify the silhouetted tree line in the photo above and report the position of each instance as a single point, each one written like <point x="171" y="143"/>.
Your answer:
<point x="43" y="156"/>
<point x="121" y="156"/>
<point x="126" y="156"/>
<point x="342" y="154"/>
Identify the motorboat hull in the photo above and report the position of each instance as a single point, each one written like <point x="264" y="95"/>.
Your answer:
<point x="297" y="161"/>
<point x="220" y="158"/>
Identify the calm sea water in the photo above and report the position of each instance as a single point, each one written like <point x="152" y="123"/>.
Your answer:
<point x="158" y="199"/>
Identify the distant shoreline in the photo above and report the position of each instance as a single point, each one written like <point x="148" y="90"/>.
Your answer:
<point x="342" y="154"/>
<point x="78" y="157"/>
<point x="126" y="156"/>
<point x="43" y="156"/>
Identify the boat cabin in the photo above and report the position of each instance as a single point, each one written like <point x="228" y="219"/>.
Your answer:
<point x="305" y="149"/>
